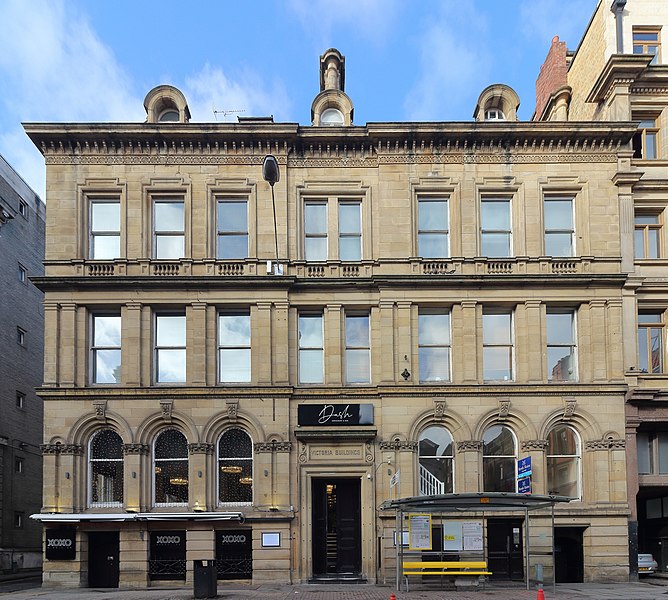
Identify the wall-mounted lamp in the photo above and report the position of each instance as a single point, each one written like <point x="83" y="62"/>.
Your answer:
<point x="271" y="174"/>
<point x="134" y="474"/>
<point x="67" y="475"/>
<point x="198" y="507"/>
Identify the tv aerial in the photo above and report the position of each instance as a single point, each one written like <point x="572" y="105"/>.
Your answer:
<point x="225" y="113"/>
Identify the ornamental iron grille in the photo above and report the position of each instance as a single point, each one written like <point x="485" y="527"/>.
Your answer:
<point x="105" y="474"/>
<point x="235" y="467"/>
<point x="436" y="461"/>
<point x="171" y="468"/>
<point x="499" y="459"/>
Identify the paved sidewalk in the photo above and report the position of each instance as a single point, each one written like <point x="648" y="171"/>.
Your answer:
<point x="655" y="590"/>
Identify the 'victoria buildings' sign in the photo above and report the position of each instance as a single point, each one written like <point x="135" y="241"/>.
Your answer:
<point x="335" y="414"/>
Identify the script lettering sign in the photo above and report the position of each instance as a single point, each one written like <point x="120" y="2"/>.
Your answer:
<point x="335" y="415"/>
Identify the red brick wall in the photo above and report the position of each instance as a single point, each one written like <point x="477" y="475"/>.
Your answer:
<point x="553" y="74"/>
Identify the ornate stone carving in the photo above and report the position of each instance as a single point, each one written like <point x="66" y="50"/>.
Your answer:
<point x="303" y="452"/>
<point x="504" y="408"/>
<point x="609" y="444"/>
<point x="531" y="445"/>
<point x="166" y="407"/>
<point x="569" y="408"/>
<point x="397" y="444"/>
<point x="100" y="408"/>
<point x="618" y="444"/>
<point x="74" y="449"/>
<point x="368" y="452"/>
<point x="439" y="409"/>
<point x="136" y="449"/>
<point x="200" y="448"/>
<point x="232" y="410"/>
<point x="272" y="446"/>
<point x="50" y="448"/>
<point x="469" y="446"/>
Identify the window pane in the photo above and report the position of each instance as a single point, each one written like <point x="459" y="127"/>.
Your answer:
<point x="169" y="216"/>
<point x="499" y="474"/>
<point x="433" y="245"/>
<point x="560" y="363"/>
<point x="107" y="366"/>
<point x="310" y="366"/>
<point x="646" y="219"/>
<point x="639" y="243"/>
<point x="234" y="330"/>
<point x="357" y="331"/>
<point x="496" y="328"/>
<point x="434" y="329"/>
<point x="106" y="481"/>
<point x="107" y="331"/>
<point x="171" y="444"/>
<point x="562" y="440"/>
<point x="106" y="444"/>
<point x="663" y="452"/>
<point x="497" y="364"/>
<point x="435" y="476"/>
<point x="171" y="481"/>
<point x="562" y="476"/>
<point x="435" y="441"/>
<point x="656" y="349"/>
<point x="232" y="246"/>
<point x="232" y="216"/>
<point x="643" y="358"/>
<point x="653" y="243"/>
<point x="171" y="330"/>
<point x="496" y="215"/>
<point x="650" y="145"/>
<point x="357" y="366"/>
<point x="434" y="364"/>
<point x="235" y="365"/>
<point x="310" y="331"/>
<point x="559" y="328"/>
<point x="649" y="36"/>
<point x="316" y="248"/>
<point x="496" y="245"/>
<point x="350" y="218"/>
<point x="558" y="214"/>
<point x="498" y="441"/>
<point x="235" y="443"/>
<point x="350" y="248"/>
<point x="558" y="244"/>
<point x="315" y="219"/>
<point x="433" y="215"/>
<point x="169" y="246"/>
<point x="171" y="366"/>
<point x="105" y="247"/>
<point x="106" y="216"/>
<point x="644" y="454"/>
<point x="235" y="452"/>
<point x="649" y="318"/>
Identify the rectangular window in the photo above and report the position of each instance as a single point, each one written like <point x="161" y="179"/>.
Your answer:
<point x="358" y="349"/>
<point x="20" y="400"/>
<point x="650" y="342"/>
<point x="646" y="41"/>
<point x="434" y="345"/>
<point x="559" y="227"/>
<point x="18" y="520"/>
<point x="170" y="348"/>
<point x="652" y="452"/>
<point x="350" y="231"/>
<point x="105" y="230"/>
<point x="644" y="140"/>
<point x="647" y="240"/>
<point x="18" y="465"/>
<point x="561" y="356"/>
<point x="232" y="218"/>
<point x="495" y="227"/>
<point x="22" y="274"/>
<point x="106" y="349"/>
<point x="234" y="348"/>
<point x="311" y="349"/>
<point x="433" y="228"/>
<point x="168" y="229"/>
<point x="497" y="341"/>
<point x="20" y="336"/>
<point x="23" y="209"/>
<point x="315" y="231"/>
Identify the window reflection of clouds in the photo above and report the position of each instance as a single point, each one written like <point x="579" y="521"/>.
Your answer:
<point x="234" y="330"/>
<point x="357" y="331"/>
<point x="496" y="328"/>
<point x="498" y="440"/>
<point x="107" y="331"/>
<point x="171" y="330"/>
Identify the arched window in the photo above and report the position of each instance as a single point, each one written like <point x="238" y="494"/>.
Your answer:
<point x="436" y="461"/>
<point x="105" y="469"/>
<point x="331" y="117"/>
<point x="499" y="459"/>
<point x="235" y="467"/>
<point x="494" y="114"/>
<point x="563" y="462"/>
<point x="170" y="461"/>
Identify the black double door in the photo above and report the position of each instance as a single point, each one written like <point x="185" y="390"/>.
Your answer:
<point x="336" y="524"/>
<point x="103" y="553"/>
<point x="504" y="548"/>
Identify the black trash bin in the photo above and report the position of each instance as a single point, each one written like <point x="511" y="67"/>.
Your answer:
<point x="205" y="579"/>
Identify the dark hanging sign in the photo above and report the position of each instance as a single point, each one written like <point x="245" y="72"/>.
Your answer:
<point x="61" y="544"/>
<point x="335" y="414"/>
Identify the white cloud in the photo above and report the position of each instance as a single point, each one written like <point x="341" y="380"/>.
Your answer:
<point x="212" y="89"/>
<point x="452" y="61"/>
<point x="541" y="20"/>
<point x="371" y="19"/>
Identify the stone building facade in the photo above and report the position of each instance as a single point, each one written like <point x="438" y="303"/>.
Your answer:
<point x="619" y="73"/>
<point x="22" y="215"/>
<point x="245" y="367"/>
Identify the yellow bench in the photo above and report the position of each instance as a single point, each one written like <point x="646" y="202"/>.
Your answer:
<point x="445" y="568"/>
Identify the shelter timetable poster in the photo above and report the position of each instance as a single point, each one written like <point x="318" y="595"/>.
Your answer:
<point x="472" y="534"/>
<point x="419" y="532"/>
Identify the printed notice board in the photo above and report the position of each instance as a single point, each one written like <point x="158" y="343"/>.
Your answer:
<point x="419" y="532"/>
<point x="472" y="534"/>
<point x="452" y="536"/>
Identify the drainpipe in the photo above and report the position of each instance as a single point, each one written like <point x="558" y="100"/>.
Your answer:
<point x="618" y="8"/>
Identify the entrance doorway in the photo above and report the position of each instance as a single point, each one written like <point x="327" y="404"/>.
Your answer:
<point x="568" y="555"/>
<point x="336" y="524"/>
<point x="504" y="549"/>
<point x="103" y="555"/>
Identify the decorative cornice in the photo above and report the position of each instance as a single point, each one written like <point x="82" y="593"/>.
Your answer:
<point x="611" y="444"/>
<point x="142" y="449"/>
<point x="201" y="448"/>
<point x="73" y="449"/>
<point x="469" y="446"/>
<point x="401" y="445"/>
<point x="273" y="446"/>
<point x="50" y="448"/>
<point x="534" y="445"/>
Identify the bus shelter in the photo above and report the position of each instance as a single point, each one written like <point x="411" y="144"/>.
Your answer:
<point x="416" y="509"/>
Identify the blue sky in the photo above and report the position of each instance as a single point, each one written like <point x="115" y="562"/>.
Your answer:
<point x="95" y="60"/>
